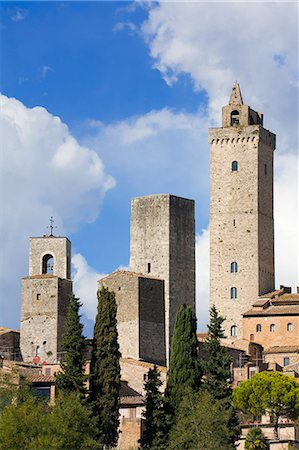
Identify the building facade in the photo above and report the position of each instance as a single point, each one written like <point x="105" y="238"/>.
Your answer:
<point x="162" y="245"/>
<point x="241" y="212"/>
<point x="140" y="315"/>
<point x="45" y="298"/>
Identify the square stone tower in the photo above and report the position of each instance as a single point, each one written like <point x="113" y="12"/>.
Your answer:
<point x="241" y="212"/>
<point x="163" y="246"/>
<point x="45" y="298"/>
<point x="140" y="315"/>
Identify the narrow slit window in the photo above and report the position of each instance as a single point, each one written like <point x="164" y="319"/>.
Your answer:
<point x="265" y="169"/>
<point x="148" y="267"/>
<point x="233" y="331"/>
<point x="235" y="166"/>
<point x="233" y="292"/>
<point x="234" y="267"/>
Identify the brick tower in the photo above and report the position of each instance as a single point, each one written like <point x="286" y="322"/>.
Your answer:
<point x="241" y="212"/>
<point x="163" y="246"/>
<point x="45" y="298"/>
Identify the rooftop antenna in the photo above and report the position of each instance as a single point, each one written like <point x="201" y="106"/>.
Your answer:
<point x="51" y="226"/>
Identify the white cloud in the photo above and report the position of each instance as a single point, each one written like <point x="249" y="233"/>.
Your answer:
<point x="160" y="151"/>
<point x="217" y="43"/>
<point x="17" y="14"/>
<point x="286" y="220"/>
<point x="44" y="172"/>
<point x="85" y="285"/>
<point x="45" y="70"/>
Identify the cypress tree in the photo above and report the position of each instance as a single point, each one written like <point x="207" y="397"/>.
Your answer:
<point x="217" y="372"/>
<point x="184" y="369"/>
<point x="155" y="419"/>
<point x="217" y="363"/>
<point x="72" y="377"/>
<point x="105" y="369"/>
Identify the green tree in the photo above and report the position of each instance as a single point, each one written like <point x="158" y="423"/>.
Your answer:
<point x="256" y="440"/>
<point x="217" y="371"/>
<point x="269" y="393"/>
<point x="20" y="424"/>
<point x="217" y="362"/>
<point x="72" y="377"/>
<point x="202" y="424"/>
<point x="68" y="425"/>
<point x="184" y="369"/>
<point x="105" y="369"/>
<point x="155" y="417"/>
<point x="33" y="425"/>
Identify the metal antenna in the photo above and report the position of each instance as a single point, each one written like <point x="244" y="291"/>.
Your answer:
<point x="51" y="226"/>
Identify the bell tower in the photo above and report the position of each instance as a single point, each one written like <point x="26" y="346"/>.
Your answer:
<point x="45" y="298"/>
<point x="241" y="212"/>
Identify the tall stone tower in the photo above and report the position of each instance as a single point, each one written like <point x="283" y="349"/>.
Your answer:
<point x="45" y="298"/>
<point x="163" y="246"/>
<point x="241" y="212"/>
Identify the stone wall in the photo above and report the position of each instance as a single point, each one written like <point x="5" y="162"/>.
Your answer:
<point x="134" y="372"/>
<point x="241" y="219"/>
<point x="140" y="315"/>
<point x="45" y="300"/>
<point x="163" y="245"/>
<point x="58" y="247"/>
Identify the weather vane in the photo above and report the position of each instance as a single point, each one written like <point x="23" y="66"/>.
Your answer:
<point x="51" y="226"/>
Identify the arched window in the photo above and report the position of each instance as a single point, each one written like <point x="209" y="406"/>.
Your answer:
<point x="251" y="337"/>
<point x="259" y="328"/>
<point x="290" y="327"/>
<point x="37" y="350"/>
<point x="234" y="166"/>
<point x="233" y="292"/>
<point x="48" y="264"/>
<point x="234" y="118"/>
<point x="272" y="327"/>
<point x="233" y="331"/>
<point x="234" y="267"/>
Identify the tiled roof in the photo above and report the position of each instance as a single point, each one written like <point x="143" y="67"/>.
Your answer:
<point x="128" y="272"/>
<point x="4" y="330"/>
<point x="147" y="365"/>
<point x="274" y="310"/>
<point x="41" y="379"/>
<point x="283" y="349"/>
<point x="127" y="400"/>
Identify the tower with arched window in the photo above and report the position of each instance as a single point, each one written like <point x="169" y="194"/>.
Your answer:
<point x="241" y="212"/>
<point x="45" y="298"/>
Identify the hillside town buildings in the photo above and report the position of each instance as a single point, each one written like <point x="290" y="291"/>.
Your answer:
<point x="262" y="324"/>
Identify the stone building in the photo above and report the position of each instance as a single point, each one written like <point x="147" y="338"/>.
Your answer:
<point x="241" y="212"/>
<point x="45" y="298"/>
<point x="140" y="315"/>
<point x="162" y="245"/>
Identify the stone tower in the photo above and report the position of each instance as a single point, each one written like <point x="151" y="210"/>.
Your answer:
<point x="45" y="298"/>
<point x="163" y="246"/>
<point x="241" y="212"/>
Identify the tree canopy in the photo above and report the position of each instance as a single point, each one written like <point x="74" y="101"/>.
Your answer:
<point x="105" y="369"/>
<point x="72" y="377"/>
<point x="269" y="393"/>
<point x="32" y="424"/>
<point x="202" y="424"/>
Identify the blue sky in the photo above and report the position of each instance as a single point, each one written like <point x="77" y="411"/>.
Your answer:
<point x="128" y="92"/>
